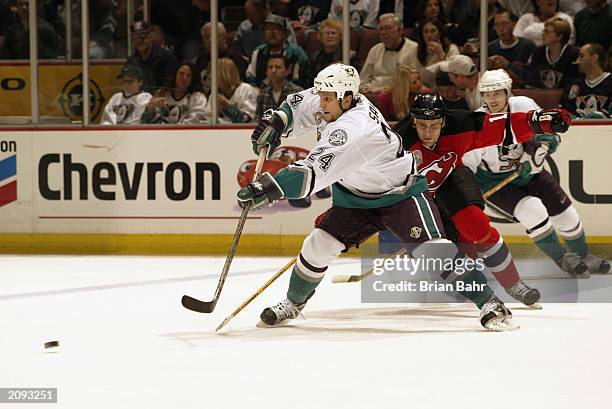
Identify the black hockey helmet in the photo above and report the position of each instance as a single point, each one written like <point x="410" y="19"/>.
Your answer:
<point x="428" y="106"/>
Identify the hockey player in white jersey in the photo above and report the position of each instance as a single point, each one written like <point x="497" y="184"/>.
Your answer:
<point x="375" y="186"/>
<point x="535" y="198"/>
<point x="126" y="107"/>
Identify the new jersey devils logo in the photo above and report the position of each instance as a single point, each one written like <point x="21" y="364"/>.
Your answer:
<point x="437" y="171"/>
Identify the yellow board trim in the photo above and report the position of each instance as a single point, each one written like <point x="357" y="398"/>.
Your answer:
<point x="181" y="244"/>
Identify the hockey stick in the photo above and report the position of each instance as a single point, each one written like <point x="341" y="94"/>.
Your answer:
<point x="256" y="293"/>
<point x="358" y="277"/>
<point x="500" y="185"/>
<point x="208" y="306"/>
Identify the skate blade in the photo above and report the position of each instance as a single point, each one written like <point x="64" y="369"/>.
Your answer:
<point x="501" y="324"/>
<point x="283" y="323"/>
<point x="535" y="306"/>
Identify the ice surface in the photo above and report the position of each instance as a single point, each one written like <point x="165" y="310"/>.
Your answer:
<point x="126" y="342"/>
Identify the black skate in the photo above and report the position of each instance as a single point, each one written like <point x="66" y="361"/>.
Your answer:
<point x="525" y="294"/>
<point x="573" y="265"/>
<point x="596" y="265"/>
<point x="280" y="313"/>
<point x="495" y="316"/>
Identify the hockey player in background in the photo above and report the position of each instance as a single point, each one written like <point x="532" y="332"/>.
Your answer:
<point x="375" y="183"/>
<point x="535" y="198"/>
<point x="126" y="107"/>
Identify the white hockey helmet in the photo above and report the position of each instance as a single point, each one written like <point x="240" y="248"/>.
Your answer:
<point x="338" y="78"/>
<point x="494" y="80"/>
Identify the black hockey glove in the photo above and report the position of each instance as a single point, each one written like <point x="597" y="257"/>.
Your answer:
<point x="262" y="191"/>
<point x="534" y="157"/>
<point x="549" y="121"/>
<point x="268" y="132"/>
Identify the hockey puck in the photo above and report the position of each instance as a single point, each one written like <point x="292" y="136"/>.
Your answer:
<point x="51" y="344"/>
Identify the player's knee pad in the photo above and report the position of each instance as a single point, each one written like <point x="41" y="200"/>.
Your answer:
<point x="567" y="222"/>
<point x="318" y="250"/>
<point x="473" y="224"/>
<point x="532" y="214"/>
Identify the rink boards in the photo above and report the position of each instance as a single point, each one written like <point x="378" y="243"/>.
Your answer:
<point x="173" y="191"/>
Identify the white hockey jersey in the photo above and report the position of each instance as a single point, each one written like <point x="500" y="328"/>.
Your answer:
<point x="244" y="98"/>
<point x="363" y="13"/>
<point x="188" y="110"/>
<point x="358" y="153"/>
<point x="123" y="110"/>
<point x="500" y="159"/>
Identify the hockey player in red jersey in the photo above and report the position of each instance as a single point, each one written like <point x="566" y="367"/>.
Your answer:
<point x="440" y="138"/>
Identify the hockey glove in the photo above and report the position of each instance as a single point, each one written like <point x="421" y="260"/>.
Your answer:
<point x="268" y="132"/>
<point x="548" y="121"/>
<point x="534" y="157"/>
<point x="262" y="191"/>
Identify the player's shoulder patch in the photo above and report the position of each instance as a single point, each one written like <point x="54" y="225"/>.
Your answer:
<point x="338" y="137"/>
<point x="295" y="100"/>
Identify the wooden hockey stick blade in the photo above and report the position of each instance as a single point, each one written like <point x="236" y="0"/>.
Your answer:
<point x="256" y="293"/>
<point x="500" y="185"/>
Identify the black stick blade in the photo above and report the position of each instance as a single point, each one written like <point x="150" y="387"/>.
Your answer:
<point x="196" y="305"/>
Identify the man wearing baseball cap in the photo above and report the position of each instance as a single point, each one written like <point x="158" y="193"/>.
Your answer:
<point x="275" y="31"/>
<point x="156" y="63"/>
<point x="464" y="74"/>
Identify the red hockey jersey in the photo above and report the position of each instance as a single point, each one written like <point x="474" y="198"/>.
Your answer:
<point x="463" y="132"/>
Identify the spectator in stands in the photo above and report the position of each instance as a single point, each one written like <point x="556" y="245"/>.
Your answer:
<point x="305" y="16"/>
<point x="308" y="13"/>
<point x="250" y="33"/>
<point x="552" y="65"/>
<point x="16" y="45"/>
<point x="509" y="52"/>
<point x="277" y="86"/>
<point x="236" y="100"/>
<point x="448" y="91"/>
<point x="433" y="47"/>
<point x="157" y="64"/>
<point x="591" y="95"/>
<point x="466" y="25"/>
<point x="401" y="8"/>
<point x="180" y="102"/>
<point x="181" y="20"/>
<point x="203" y="60"/>
<point x="275" y="29"/>
<point x="463" y="73"/>
<point x="531" y="25"/>
<point x="363" y="13"/>
<point x="126" y="107"/>
<point x="394" y="101"/>
<point x="427" y="9"/>
<point x="330" y="36"/>
<point x="384" y="57"/>
<point x="594" y="23"/>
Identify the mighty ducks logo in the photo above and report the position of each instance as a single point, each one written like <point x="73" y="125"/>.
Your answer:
<point x="509" y="156"/>
<point x="71" y="99"/>
<point x="123" y="111"/>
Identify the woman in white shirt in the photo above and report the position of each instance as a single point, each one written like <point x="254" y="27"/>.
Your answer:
<point x="237" y="100"/>
<point x="181" y="102"/>
<point x="531" y="25"/>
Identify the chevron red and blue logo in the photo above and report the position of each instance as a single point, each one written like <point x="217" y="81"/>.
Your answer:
<point x="8" y="180"/>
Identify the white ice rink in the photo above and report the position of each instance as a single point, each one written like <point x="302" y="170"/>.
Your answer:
<point x="126" y="342"/>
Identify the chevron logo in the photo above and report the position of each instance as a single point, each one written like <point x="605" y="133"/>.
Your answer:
<point x="8" y="180"/>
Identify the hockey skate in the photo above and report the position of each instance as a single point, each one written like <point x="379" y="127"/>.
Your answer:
<point x="525" y="294"/>
<point x="495" y="316"/>
<point x="282" y="312"/>
<point x="573" y="265"/>
<point x="596" y="265"/>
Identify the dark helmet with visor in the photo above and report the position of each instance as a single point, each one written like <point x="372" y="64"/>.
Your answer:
<point x="428" y="106"/>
